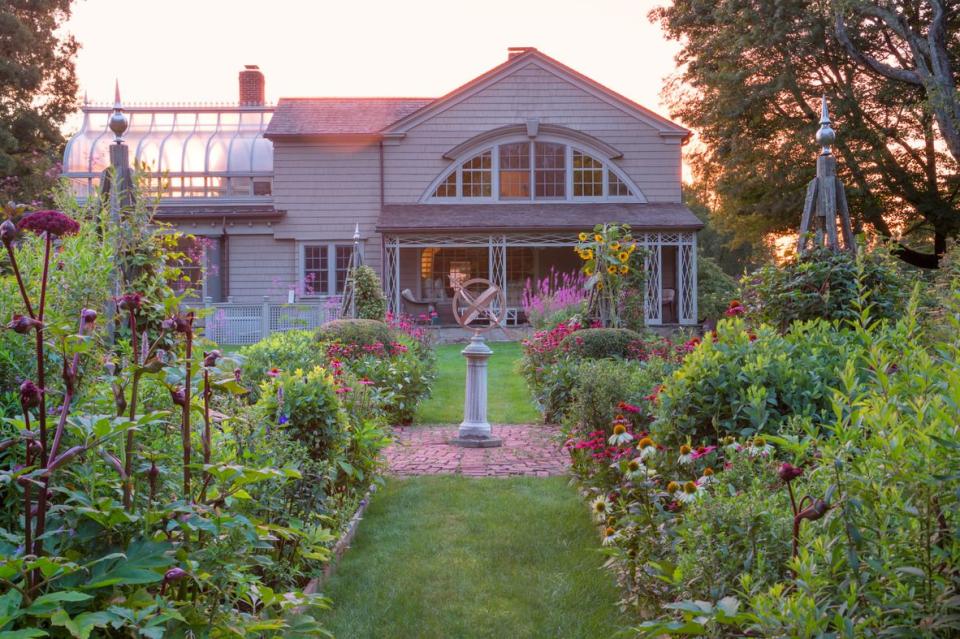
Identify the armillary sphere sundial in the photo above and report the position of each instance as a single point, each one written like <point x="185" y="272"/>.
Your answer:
<point x="480" y="305"/>
<point x="478" y="299"/>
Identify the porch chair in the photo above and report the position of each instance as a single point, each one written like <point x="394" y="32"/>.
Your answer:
<point x="413" y="306"/>
<point x="669" y="303"/>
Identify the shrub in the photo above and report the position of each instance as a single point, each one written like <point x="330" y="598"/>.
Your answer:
<point x="361" y="332"/>
<point x="826" y="284"/>
<point x="598" y="343"/>
<point x="368" y="291"/>
<point x="603" y="388"/>
<point x="715" y="288"/>
<point x="743" y="382"/>
<point x="286" y="351"/>
<point x="305" y="404"/>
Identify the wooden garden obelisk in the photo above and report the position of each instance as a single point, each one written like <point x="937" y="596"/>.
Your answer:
<point x="825" y="199"/>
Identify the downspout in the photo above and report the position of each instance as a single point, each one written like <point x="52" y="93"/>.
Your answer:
<point x="225" y="261"/>
<point x="381" y="174"/>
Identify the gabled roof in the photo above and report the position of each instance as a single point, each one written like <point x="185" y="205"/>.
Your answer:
<point x="318" y="117"/>
<point x="374" y="117"/>
<point x="530" y="56"/>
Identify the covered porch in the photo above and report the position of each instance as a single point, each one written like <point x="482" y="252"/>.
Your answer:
<point x="420" y="269"/>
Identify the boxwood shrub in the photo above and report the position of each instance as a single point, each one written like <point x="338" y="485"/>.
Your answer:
<point x="362" y="332"/>
<point x="600" y="343"/>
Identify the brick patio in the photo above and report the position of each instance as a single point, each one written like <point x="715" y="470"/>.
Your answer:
<point x="531" y="450"/>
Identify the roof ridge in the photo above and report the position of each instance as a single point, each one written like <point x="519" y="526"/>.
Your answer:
<point x="357" y="97"/>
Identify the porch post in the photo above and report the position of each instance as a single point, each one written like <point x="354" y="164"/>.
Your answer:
<point x="693" y="278"/>
<point x="391" y="273"/>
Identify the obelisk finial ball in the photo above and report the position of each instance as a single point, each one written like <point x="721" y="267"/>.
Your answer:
<point x="826" y="136"/>
<point x="118" y="121"/>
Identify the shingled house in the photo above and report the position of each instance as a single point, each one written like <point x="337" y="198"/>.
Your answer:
<point x="493" y="179"/>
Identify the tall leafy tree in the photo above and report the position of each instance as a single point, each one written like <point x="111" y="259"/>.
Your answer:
<point x="752" y="73"/>
<point x="38" y="88"/>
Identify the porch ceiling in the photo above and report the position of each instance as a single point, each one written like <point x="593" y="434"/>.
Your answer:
<point x="541" y="216"/>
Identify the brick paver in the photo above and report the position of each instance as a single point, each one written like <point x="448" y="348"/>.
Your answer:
<point x="531" y="450"/>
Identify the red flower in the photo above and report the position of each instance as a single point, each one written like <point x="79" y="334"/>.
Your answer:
<point x="628" y="408"/>
<point x="652" y="397"/>
<point x="52" y="222"/>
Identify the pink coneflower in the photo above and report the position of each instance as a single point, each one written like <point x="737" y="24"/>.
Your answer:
<point x="366" y="382"/>
<point x="53" y="222"/>
<point x="703" y="451"/>
<point x="273" y="372"/>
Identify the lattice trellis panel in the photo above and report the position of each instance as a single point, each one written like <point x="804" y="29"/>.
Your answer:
<point x="498" y="263"/>
<point x="653" y="306"/>
<point x="688" y="308"/>
<point x="391" y="273"/>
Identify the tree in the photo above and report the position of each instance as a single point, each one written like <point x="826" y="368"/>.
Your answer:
<point x="752" y="73"/>
<point x="38" y="88"/>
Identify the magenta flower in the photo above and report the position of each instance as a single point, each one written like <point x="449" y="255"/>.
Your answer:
<point x="53" y="222"/>
<point x="130" y="302"/>
<point x="274" y="372"/>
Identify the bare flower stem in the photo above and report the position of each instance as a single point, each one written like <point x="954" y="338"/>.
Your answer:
<point x="206" y="429"/>
<point x="185" y="421"/>
<point x="134" y="388"/>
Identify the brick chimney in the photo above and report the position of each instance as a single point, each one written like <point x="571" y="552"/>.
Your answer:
<point x="513" y="52"/>
<point x="252" y="86"/>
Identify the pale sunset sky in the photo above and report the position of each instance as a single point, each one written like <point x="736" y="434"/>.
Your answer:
<point x="192" y="50"/>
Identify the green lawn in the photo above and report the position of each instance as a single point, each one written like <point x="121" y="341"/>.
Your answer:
<point x="454" y="557"/>
<point x="508" y="397"/>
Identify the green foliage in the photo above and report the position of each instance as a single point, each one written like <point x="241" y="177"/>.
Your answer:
<point x="731" y="88"/>
<point x="305" y="404"/>
<point x="827" y="284"/>
<point x="715" y="288"/>
<point x="285" y="351"/>
<point x="600" y="387"/>
<point x="613" y="269"/>
<point x="38" y="89"/>
<point x="598" y="343"/>
<point x="370" y="301"/>
<point x="743" y="382"/>
<point x="358" y="332"/>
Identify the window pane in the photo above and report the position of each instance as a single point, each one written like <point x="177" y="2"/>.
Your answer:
<point x="343" y="265"/>
<point x="315" y="270"/>
<point x="477" y="178"/>
<point x="447" y="188"/>
<point x="550" y="177"/>
<point x="515" y="170"/>
<point x="616" y="185"/>
<point x="587" y="175"/>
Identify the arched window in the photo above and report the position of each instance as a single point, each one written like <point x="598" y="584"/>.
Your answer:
<point x="540" y="171"/>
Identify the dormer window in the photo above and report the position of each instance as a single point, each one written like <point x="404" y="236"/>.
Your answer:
<point x="532" y="170"/>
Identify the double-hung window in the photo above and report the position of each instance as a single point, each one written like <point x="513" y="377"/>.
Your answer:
<point x="325" y="268"/>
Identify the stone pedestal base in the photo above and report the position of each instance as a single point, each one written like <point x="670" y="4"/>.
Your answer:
<point x="475" y="430"/>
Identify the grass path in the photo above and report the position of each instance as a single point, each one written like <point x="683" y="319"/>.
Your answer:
<point x="458" y="558"/>
<point x="508" y="397"/>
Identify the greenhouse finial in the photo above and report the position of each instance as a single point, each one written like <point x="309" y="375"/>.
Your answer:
<point x="356" y="233"/>
<point x="118" y="121"/>
<point x="826" y="136"/>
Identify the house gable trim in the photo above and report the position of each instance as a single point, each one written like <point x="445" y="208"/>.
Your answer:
<point x="665" y="127"/>
<point x="533" y="132"/>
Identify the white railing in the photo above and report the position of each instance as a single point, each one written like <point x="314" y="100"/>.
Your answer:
<point x="231" y="323"/>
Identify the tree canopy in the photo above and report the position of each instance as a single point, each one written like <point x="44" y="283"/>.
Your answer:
<point x="752" y="73"/>
<point x="38" y="88"/>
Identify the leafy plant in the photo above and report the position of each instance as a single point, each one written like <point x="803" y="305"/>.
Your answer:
<point x="368" y="292"/>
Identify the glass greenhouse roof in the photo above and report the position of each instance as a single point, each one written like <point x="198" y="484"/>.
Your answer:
<point x="191" y="152"/>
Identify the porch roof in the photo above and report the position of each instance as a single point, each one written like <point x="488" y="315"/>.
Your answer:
<point x="231" y="211"/>
<point x="540" y="216"/>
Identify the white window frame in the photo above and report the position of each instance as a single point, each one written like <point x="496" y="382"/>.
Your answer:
<point x="330" y="290"/>
<point x="494" y="149"/>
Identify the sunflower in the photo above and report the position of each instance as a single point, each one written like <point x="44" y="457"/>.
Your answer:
<point x="598" y="238"/>
<point x="624" y="269"/>
<point x="612" y="270"/>
<point x="624" y="256"/>
<point x="614" y="246"/>
<point x="587" y="254"/>
<point x="599" y="286"/>
<point x="583" y="237"/>
<point x="587" y="271"/>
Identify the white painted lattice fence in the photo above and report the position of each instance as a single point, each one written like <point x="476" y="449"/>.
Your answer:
<point x="232" y="323"/>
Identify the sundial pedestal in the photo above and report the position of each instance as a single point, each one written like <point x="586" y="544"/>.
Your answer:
<point x="477" y="300"/>
<point x="475" y="431"/>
